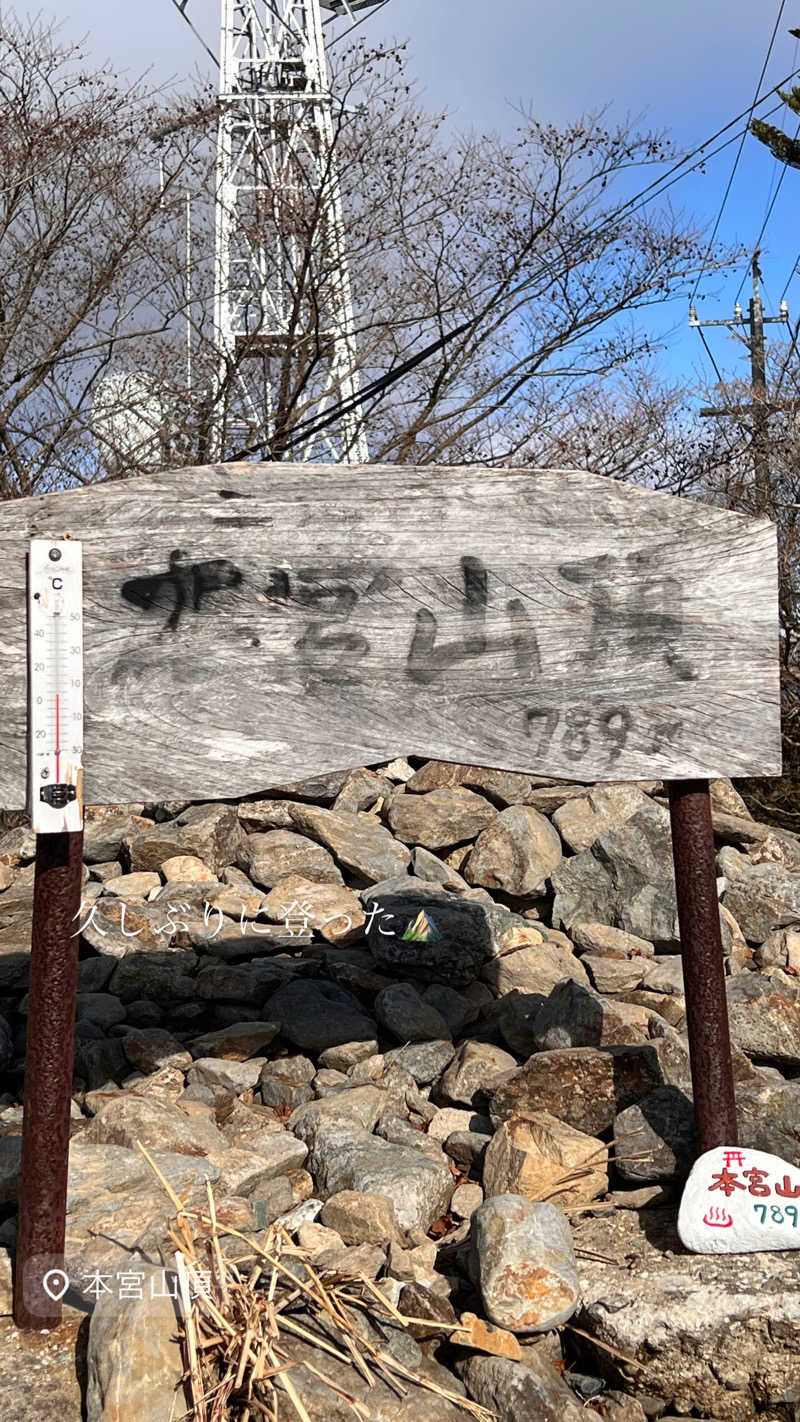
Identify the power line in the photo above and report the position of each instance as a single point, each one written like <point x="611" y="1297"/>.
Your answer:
<point x="792" y="348"/>
<point x="795" y="267"/>
<point x="377" y="387"/>
<point x="767" y="216"/>
<point x="792" y="273"/>
<point x="794" y="333"/>
<point x="654" y="189"/>
<point x="710" y="355"/>
<point x="180" y="6"/>
<point x="667" y="180"/>
<point x="660" y="185"/>
<point x="345" y="34"/>
<point x="771" y="204"/>
<point x="753" y="106"/>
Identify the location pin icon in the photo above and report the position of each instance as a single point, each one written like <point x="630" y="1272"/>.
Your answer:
<point x="55" y="1284"/>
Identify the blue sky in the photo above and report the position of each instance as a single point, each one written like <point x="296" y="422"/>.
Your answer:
<point x="687" y="67"/>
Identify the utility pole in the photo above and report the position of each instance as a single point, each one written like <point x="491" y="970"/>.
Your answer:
<point x="761" y="408"/>
<point x="758" y="382"/>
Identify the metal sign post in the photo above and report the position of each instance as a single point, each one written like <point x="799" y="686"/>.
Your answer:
<point x="55" y="685"/>
<point x="703" y="963"/>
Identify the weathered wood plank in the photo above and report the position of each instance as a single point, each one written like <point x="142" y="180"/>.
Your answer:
<point x="250" y="624"/>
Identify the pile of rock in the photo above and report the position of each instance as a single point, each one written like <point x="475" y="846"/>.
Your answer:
<point x="433" y="1016"/>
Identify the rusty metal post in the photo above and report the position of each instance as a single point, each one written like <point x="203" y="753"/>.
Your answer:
<point x="703" y="965"/>
<point x="48" y="1079"/>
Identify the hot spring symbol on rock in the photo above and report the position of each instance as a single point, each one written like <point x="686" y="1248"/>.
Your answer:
<point x="422" y="930"/>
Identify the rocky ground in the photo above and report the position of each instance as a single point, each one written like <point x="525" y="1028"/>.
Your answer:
<point x="434" y="1015"/>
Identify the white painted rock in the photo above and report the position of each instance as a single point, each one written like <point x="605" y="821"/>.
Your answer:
<point x="739" y="1201"/>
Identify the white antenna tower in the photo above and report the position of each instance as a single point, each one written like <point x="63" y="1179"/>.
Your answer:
<point x="283" y="307"/>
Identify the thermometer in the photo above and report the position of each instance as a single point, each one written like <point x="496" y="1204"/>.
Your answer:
<point x="55" y="682"/>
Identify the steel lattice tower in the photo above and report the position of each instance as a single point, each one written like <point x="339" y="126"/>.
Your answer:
<point x="283" y="307"/>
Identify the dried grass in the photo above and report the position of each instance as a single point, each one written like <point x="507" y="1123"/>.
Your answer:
<point x="240" y="1316"/>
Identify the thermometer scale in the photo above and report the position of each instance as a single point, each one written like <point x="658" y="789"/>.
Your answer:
<point x="55" y="680"/>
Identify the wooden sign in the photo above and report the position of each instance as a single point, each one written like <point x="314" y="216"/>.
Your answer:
<point x="248" y="624"/>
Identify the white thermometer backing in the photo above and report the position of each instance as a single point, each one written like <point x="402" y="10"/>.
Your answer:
<point x="55" y="685"/>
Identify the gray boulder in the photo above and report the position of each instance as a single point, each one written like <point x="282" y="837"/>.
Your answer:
<point x="361" y="790"/>
<point x="417" y="1183"/>
<point x="584" y="818"/>
<point x="764" y="1015"/>
<point x="353" y="1111"/>
<point x="285" y="1083"/>
<point x="476" y="1069"/>
<point x="609" y="973"/>
<point x="238" y="1041"/>
<point x="375" y="1400"/>
<point x="599" y="938"/>
<point x="315" y="1014"/>
<point x="523" y="1259"/>
<point x="267" y="858"/>
<point x="663" y="973"/>
<point x="768" y="1113"/>
<point x="320" y="789"/>
<point x="520" y="1392"/>
<point x="761" y="897"/>
<point x="440" y="818"/>
<point x="456" y="1009"/>
<point x="419" y="930"/>
<point x="343" y="1155"/>
<point x="574" y="1016"/>
<point x="106" y="828"/>
<point x="18" y="845"/>
<point x="502" y="787"/>
<point x="159" y="976"/>
<point x="99" y="1061"/>
<point x="116" y="928"/>
<point x="655" y="1137"/>
<point x="424" y="1061"/>
<point x="126" y="1120"/>
<point x="626" y="880"/>
<point x="430" y="867"/>
<point x="361" y="1219"/>
<point x="259" y="815"/>
<point x="712" y="1335"/>
<point x="210" y="832"/>
<point x="587" y="1087"/>
<point x="103" y="1008"/>
<point x="135" y="1364"/>
<point x="517" y="853"/>
<point x="534" y="968"/>
<point x="359" y="843"/>
<point x="118" y="1211"/>
<point x="229" y="1076"/>
<point x="404" y="1013"/>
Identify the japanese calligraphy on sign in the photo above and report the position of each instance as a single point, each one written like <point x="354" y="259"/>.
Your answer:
<point x="737" y="1201"/>
<point x="554" y="623"/>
